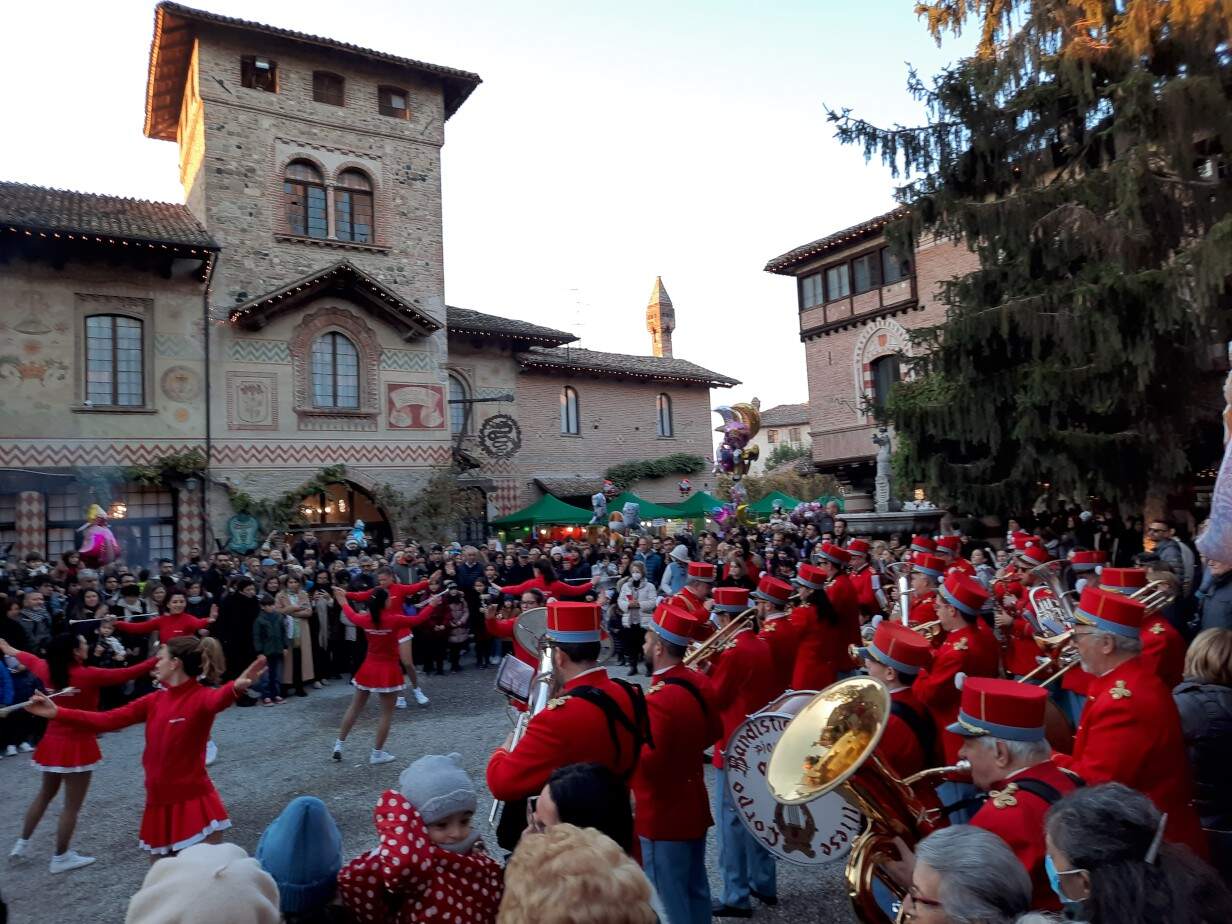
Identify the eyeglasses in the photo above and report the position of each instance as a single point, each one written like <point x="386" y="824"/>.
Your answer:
<point x="917" y="899"/>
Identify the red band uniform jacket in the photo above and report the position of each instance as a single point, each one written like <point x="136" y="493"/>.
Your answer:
<point x="971" y="650"/>
<point x="669" y="785"/>
<point x="743" y="682"/>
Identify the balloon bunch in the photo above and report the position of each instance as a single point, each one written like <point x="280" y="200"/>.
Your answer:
<point x="741" y="422"/>
<point x="98" y="544"/>
<point x="806" y="513"/>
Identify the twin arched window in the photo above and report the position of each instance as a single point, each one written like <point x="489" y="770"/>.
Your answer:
<point x="569" y="411"/>
<point x="306" y="204"/>
<point x="335" y="372"/>
<point x="663" y="426"/>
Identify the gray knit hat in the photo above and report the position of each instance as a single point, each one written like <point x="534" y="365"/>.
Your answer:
<point x="438" y="786"/>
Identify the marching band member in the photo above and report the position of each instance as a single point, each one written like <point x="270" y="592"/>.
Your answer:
<point x="1002" y="724"/>
<point x="895" y="656"/>
<point x="777" y="629"/>
<point x="1086" y="564"/>
<point x="743" y="679"/>
<point x="1130" y="731"/>
<point x="1022" y="651"/>
<point x="827" y="619"/>
<point x="923" y="543"/>
<point x="669" y="786"/>
<point x="969" y="649"/>
<point x="927" y="572"/>
<point x="699" y="581"/>
<point x="595" y="719"/>
<point x="949" y="548"/>
<point x="1162" y="646"/>
<point x="865" y="580"/>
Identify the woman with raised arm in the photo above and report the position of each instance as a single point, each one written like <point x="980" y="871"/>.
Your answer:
<point x="67" y="754"/>
<point x="174" y="623"/>
<point x="381" y="672"/>
<point x="182" y="807"/>
<point x="545" y="582"/>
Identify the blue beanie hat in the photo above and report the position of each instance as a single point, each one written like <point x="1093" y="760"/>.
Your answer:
<point x="302" y="850"/>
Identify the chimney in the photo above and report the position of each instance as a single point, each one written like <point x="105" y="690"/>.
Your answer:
<point x="660" y="319"/>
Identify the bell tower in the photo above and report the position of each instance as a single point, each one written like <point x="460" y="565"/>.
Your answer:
<point x="660" y="319"/>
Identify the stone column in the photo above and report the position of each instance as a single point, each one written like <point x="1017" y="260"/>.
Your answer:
<point x="31" y="524"/>
<point x="189" y="520"/>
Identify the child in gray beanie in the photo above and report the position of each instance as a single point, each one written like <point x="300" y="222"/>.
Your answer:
<point x="430" y="861"/>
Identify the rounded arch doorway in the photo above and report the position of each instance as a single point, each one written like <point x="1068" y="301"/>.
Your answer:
<point x="332" y="513"/>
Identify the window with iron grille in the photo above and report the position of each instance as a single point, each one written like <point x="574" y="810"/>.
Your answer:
<point x="115" y="361"/>
<point x="335" y="372"/>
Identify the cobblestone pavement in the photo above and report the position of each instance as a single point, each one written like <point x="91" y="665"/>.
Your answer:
<point x="266" y="758"/>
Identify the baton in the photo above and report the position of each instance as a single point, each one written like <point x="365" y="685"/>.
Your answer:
<point x="13" y="708"/>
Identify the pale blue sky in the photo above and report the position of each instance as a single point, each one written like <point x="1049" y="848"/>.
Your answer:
<point x="608" y="144"/>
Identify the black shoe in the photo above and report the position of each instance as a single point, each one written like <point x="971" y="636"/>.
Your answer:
<point x="768" y="900"/>
<point x="730" y="911"/>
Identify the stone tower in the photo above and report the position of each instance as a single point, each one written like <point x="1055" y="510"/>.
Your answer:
<point x="660" y="319"/>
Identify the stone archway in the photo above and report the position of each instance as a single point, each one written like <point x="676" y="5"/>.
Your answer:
<point x="882" y="338"/>
<point x="332" y="513"/>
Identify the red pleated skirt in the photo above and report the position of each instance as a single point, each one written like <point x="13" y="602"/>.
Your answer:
<point x="179" y="825"/>
<point x="66" y="751"/>
<point x="377" y="675"/>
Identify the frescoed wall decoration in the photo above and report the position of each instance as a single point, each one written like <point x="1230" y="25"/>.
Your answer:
<point x="252" y="401"/>
<point x="415" y="407"/>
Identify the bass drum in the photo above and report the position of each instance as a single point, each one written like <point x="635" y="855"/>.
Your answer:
<point x="815" y="834"/>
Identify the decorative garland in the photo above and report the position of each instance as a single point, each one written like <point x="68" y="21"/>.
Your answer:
<point x="679" y="463"/>
<point x="164" y="470"/>
<point x="281" y="511"/>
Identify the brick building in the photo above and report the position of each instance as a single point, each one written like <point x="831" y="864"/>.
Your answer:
<point x="856" y="302"/>
<point x="290" y="315"/>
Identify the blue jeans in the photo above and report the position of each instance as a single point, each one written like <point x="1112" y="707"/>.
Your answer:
<point x="677" y="870"/>
<point x="745" y="863"/>
<point x="271" y="683"/>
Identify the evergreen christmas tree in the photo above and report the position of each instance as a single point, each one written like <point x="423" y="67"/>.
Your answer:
<point x="1082" y="154"/>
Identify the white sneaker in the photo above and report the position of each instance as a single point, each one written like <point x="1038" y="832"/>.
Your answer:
<point x="401" y="703"/>
<point x="419" y="697"/>
<point x="71" y="860"/>
<point x="19" y="849"/>
<point x="25" y="747"/>
<point x="10" y="751"/>
<point x="211" y="752"/>
<point x="337" y="749"/>
<point x="380" y="757"/>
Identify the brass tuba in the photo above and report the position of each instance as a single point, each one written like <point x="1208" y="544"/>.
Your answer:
<point x="830" y="747"/>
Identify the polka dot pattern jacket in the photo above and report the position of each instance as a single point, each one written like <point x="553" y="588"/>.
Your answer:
<point x="408" y="878"/>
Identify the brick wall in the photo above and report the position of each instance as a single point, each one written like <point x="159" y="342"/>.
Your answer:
<point x="838" y="363"/>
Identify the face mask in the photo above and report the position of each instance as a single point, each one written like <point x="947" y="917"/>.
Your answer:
<point x="196" y="598"/>
<point x="1054" y="880"/>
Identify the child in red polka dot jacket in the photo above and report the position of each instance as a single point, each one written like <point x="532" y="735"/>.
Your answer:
<point x="430" y="864"/>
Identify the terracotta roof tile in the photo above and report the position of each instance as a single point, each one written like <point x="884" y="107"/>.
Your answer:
<point x="41" y="208"/>
<point x="463" y="320"/>
<point x="784" y="263"/>
<point x="661" y="368"/>
<point x="172" y="43"/>
<point x="783" y="414"/>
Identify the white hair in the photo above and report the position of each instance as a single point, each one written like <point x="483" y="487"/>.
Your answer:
<point x="982" y="881"/>
<point x="1023" y="753"/>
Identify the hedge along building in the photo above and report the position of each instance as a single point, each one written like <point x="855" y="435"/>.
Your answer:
<point x="288" y="319"/>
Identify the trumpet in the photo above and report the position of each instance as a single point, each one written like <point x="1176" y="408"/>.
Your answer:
<point x="1155" y="595"/>
<point x="929" y="629"/>
<point x="706" y="650"/>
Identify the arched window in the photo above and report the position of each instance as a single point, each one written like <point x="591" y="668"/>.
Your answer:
<point x="664" y="427"/>
<point x="886" y="373"/>
<point x="335" y="372"/>
<point x="303" y="193"/>
<point x="457" y="410"/>
<point x="569" y="410"/>
<point x="115" y="361"/>
<point x="353" y="207"/>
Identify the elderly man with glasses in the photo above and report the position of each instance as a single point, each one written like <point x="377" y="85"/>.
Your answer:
<point x="1130" y="731"/>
